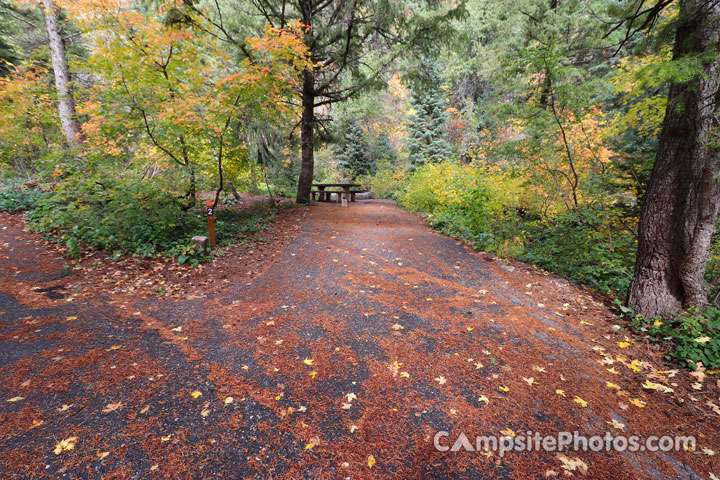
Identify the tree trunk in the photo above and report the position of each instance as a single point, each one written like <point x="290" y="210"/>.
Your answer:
<point x="66" y="100"/>
<point x="306" y="136"/>
<point x="680" y="208"/>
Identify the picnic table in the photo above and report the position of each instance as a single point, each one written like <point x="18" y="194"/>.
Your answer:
<point x="323" y="195"/>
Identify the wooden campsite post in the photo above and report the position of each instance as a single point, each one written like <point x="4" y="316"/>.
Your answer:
<point x="211" y="223"/>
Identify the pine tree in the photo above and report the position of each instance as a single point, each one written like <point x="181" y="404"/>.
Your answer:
<point x="427" y="139"/>
<point x="381" y="150"/>
<point x="352" y="152"/>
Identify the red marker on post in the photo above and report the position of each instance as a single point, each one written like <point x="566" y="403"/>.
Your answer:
<point x="211" y="222"/>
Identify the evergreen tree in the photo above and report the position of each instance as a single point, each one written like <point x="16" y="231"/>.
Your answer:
<point x="427" y="138"/>
<point x="352" y="152"/>
<point x="381" y="150"/>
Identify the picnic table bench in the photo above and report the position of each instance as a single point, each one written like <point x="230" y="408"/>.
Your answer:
<point x="322" y="195"/>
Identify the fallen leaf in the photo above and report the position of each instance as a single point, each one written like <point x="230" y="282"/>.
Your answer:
<point x="165" y="438"/>
<point x="623" y="344"/>
<point x="405" y="374"/>
<point x="483" y="398"/>
<point x="580" y="401"/>
<point x="308" y="361"/>
<point x="15" y="399"/>
<point x="560" y="392"/>
<point x="617" y="424"/>
<point x="508" y="432"/>
<point x="637" y="402"/>
<point x="397" y="326"/>
<point x="102" y="455"/>
<point x="441" y="380"/>
<point x="504" y="388"/>
<point x="229" y="400"/>
<point x="572" y="464"/>
<point x="353" y="428"/>
<point x="65" y="445"/>
<point x="613" y="371"/>
<point x="371" y="461"/>
<point x="111" y="407"/>
<point x="196" y="394"/>
<point x="309" y="446"/>
<point x="313" y="374"/>
<point x="612" y="385"/>
<point x="205" y="412"/>
<point x="530" y="381"/>
<point x="704" y="339"/>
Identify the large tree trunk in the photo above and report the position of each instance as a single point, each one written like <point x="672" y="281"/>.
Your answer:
<point x="66" y="100"/>
<point x="306" y="136"/>
<point x="680" y="208"/>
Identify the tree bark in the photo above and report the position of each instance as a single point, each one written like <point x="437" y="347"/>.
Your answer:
<point x="66" y="100"/>
<point x="306" y="136"/>
<point x="680" y="208"/>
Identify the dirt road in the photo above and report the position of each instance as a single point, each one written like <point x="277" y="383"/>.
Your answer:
<point x="369" y="334"/>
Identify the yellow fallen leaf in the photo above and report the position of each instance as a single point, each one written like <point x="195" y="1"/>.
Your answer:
<point x="483" y="398"/>
<point x="613" y="371"/>
<point x="470" y="329"/>
<point x="612" y="385"/>
<point x="176" y="329"/>
<point x="371" y="461"/>
<point x="309" y="446"/>
<point x="196" y="394"/>
<point x="102" y="455"/>
<point x="229" y="400"/>
<point x="36" y="423"/>
<point x="579" y="400"/>
<point x="279" y="396"/>
<point x="154" y="467"/>
<point x="353" y="428"/>
<point x="478" y="366"/>
<point x="302" y="408"/>
<point x="65" y="445"/>
<point x="71" y="318"/>
<point x="617" y="424"/>
<point x="441" y="380"/>
<point x="504" y="389"/>
<point x="560" y="392"/>
<point x="15" y="399"/>
<point x="165" y="438"/>
<point x="308" y="361"/>
<point x="637" y="402"/>
<point x="508" y="432"/>
<point x="205" y="412"/>
<point x="397" y="326"/>
<point x="313" y="374"/>
<point x="530" y="381"/>
<point x="405" y="374"/>
<point x="623" y="344"/>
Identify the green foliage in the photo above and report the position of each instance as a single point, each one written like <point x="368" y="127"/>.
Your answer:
<point x="427" y="138"/>
<point x="136" y="218"/>
<point x="692" y="337"/>
<point x="351" y="152"/>
<point x="14" y="199"/>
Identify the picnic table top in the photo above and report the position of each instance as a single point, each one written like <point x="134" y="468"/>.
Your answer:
<point x="344" y="185"/>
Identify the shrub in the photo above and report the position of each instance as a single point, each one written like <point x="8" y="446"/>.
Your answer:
<point x="139" y="218"/>
<point x="693" y="337"/>
<point x="14" y="199"/>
